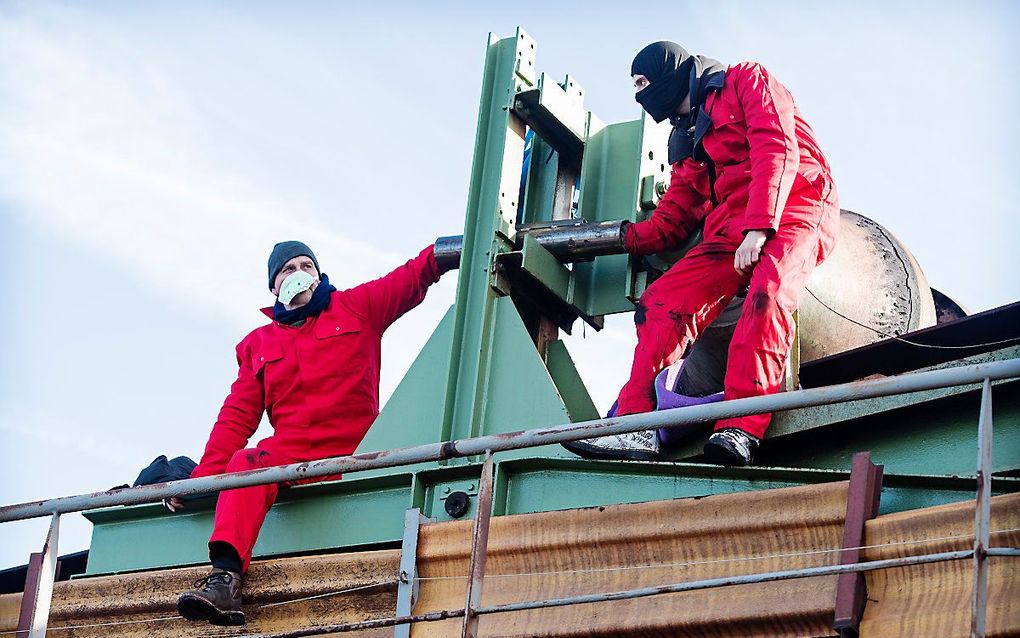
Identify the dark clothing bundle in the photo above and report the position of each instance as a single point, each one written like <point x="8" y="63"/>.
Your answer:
<point x="161" y="470"/>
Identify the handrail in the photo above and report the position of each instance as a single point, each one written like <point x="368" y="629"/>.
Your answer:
<point x="34" y="616"/>
<point x="914" y="382"/>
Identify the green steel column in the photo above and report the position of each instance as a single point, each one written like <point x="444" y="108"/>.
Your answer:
<point x="488" y="228"/>
<point x="480" y="372"/>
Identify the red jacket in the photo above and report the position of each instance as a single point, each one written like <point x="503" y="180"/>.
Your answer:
<point x="769" y="169"/>
<point x="318" y="382"/>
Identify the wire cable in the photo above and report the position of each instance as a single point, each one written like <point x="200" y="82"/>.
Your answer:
<point x="178" y="617"/>
<point x="234" y="632"/>
<point x="722" y="560"/>
<point x="327" y="594"/>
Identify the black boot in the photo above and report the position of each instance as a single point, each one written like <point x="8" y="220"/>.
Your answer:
<point x="216" y="598"/>
<point x="731" y="447"/>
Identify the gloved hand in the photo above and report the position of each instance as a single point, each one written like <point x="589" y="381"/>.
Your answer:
<point x="174" y="504"/>
<point x="749" y="251"/>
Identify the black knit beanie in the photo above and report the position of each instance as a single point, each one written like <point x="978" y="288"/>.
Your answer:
<point x="284" y="252"/>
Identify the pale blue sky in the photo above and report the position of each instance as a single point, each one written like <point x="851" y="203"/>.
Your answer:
<point x="152" y="153"/>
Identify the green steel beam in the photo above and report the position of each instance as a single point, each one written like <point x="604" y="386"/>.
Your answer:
<point x="556" y="115"/>
<point x="820" y="416"/>
<point x="539" y="485"/>
<point x="414" y="414"/>
<point x="932" y="432"/>
<point x="481" y="362"/>
<point x="935" y="437"/>
<point x="488" y="230"/>
<point x="349" y="513"/>
<point x="539" y="264"/>
<point x="618" y="159"/>
<point x="368" y="512"/>
<point x="568" y="382"/>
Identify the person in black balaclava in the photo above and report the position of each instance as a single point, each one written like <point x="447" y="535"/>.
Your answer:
<point x="747" y="170"/>
<point x="673" y="84"/>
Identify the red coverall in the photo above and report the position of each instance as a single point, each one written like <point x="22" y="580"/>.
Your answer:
<point x="319" y="384"/>
<point x="770" y="175"/>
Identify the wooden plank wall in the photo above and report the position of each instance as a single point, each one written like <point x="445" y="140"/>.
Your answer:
<point x="935" y="599"/>
<point x="149" y="595"/>
<point x="621" y="547"/>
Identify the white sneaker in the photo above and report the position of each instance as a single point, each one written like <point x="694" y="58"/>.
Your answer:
<point x="633" y="446"/>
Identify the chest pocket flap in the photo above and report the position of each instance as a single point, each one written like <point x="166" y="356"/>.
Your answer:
<point x="261" y="356"/>
<point x="726" y="114"/>
<point x="334" y="325"/>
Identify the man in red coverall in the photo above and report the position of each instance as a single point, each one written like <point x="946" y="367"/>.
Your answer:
<point x="747" y="168"/>
<point x="315" y="371"/>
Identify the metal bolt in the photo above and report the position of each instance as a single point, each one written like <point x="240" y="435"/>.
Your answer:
<point x="446" y="490"/>
<point x="471" y="488"/>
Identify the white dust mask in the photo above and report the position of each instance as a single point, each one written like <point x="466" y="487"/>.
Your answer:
<point x="295" y="284"/>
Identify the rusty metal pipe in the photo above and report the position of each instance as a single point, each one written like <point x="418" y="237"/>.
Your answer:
<point x="580" y="242"/>
<point x="447" y="250"/>
<point x="914" y="382"/>
<point x="479" y="549"/>
<point x="568" y="242"/>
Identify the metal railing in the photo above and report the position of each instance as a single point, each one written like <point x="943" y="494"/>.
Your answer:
<point x="37" y="602"/>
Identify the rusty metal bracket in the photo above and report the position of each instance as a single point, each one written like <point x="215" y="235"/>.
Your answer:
<point x="479" y="549"/>
<point x="35" y="602"/>
<point x="407" y="577"/>
<point x="861" y="504"/>
<point x="28" y="598"/>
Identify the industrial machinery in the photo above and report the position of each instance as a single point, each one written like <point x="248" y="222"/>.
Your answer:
<point x="400" y="535"/>
<point x="871" y="288"/>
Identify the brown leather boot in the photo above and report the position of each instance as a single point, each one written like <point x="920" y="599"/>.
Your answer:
<point x="216" y="598"/>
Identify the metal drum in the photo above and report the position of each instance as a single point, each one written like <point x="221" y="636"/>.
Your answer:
<point x="869" y="288"/>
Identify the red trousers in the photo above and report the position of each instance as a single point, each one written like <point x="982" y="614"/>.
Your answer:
<point x="241" y="512"/>
<point x="689" y="296"/>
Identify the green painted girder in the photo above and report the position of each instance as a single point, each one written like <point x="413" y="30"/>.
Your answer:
<point x="519" y="393"/>
<point x="937" y="437"/>
<point x="359" y="513"/>
<point x="622" y="163"/>
<point x="931" y="432"/>
<point x="488" y="230"/>
<point x="481" y="372"/>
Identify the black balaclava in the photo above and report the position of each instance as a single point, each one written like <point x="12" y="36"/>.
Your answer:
<point x="673" y="74"/>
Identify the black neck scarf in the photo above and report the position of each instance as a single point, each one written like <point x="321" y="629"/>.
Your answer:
<point x="673" y="74"/>
<point x="319" y="302"/>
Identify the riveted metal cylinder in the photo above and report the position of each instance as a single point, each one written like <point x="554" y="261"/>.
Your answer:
<point x="579" y="242"/>
<point x="569" y="242"/>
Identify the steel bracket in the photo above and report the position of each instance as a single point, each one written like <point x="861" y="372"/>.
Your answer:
<point x="555" y="117"/>
<point x="38" y="595"/>
<point x="862" y="501"/>
<point x="407" y="577"/>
